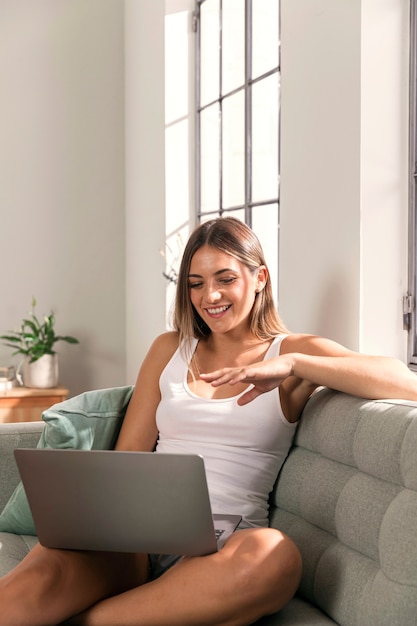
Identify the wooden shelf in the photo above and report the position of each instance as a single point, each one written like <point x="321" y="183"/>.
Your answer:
<point x="21" y="404"/>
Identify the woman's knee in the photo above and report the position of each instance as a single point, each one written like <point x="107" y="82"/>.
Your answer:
<point x="268" y="565"/>
<point x="27" y="590"/>
<point x="282" y="572"/>
<point x="48" y="567"/>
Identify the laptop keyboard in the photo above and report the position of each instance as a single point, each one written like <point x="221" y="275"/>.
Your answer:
<point x="218" y="532"/>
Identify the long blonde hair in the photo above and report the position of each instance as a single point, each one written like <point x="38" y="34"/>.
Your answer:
<point x="235" y="238"/>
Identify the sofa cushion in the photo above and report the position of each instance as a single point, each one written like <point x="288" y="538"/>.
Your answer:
<point x="14" y="435"/>
<point x="90" y="421"/>
<point x="14" y="548"/>
<point x="297" y="613"/>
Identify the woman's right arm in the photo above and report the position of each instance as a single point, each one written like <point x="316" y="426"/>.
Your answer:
<point x="139" y="431"/>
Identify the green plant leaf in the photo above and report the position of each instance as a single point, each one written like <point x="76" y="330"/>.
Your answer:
<point x="66" y="338"/>
<point x="10" y="338"/>
<point x="31" y="325"/>
<point x="34" y="338"/>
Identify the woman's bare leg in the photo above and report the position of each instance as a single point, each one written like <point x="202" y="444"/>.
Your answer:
<point x="49" y="586"/>
<point x="256" y="573"/>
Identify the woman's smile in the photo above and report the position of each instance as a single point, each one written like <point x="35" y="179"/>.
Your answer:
<point x="218" y="310"/>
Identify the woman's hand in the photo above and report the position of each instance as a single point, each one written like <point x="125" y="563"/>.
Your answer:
<point x="264" y="376"/>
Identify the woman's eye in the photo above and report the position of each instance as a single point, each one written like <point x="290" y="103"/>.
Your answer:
<point x="194" y="285"/>
<point x="227" y="281"/>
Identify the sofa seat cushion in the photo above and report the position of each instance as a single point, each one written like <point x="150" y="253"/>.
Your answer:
<point x="298" y="612"/>
<point x="14" y="548"/>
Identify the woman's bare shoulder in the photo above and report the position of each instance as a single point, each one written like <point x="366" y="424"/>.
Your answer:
<point x="168" y="340"/>
<point x="157" y="357"/>
<point x="164" y="346"/>
<point x="312" y="344"/>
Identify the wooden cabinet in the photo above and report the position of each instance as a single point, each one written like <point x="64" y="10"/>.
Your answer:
<point x="21" y="404"/>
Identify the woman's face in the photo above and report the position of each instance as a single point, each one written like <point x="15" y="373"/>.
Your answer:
<point x="222" y="289"/>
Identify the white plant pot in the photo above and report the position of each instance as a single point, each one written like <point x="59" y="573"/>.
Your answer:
<point x="41" y="374"/>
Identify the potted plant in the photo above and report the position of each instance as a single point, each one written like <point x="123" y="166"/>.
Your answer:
<point x="35" y="340"/>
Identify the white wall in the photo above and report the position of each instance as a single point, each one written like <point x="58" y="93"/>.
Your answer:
<point x="180" y="124"/>
<point x="384" y="174"/>
<point x="343" y="261"/>
<point x="145" y="178"/>
<point x="62" y="207"/>
<point x="319" y="265"/>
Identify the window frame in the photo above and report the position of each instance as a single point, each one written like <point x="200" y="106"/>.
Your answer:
<point x="409" y="308"/>
<point x="248" y="203"/>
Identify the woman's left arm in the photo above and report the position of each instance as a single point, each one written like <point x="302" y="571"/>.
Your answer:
<point x="325" y="362"/>
<point x="319" y="361"/>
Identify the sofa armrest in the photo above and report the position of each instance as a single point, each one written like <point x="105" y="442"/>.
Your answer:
<point x="14" y="435"/>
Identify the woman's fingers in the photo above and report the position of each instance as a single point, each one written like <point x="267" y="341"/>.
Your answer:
<point x="228" y="375"/>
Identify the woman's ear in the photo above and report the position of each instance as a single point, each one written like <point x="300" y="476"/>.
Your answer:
<point x="262" y="278"/>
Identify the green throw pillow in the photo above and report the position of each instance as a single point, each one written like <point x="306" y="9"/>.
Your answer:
<point x="90" y="421"/>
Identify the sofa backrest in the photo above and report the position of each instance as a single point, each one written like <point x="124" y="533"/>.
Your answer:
<point x="20" y="435"/>
<point x="347" y="495"/>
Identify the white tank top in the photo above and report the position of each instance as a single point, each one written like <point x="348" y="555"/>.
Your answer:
<point x="243" y="446"/>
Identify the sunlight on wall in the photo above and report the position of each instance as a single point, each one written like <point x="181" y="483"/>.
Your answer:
<point x="179" y="138"/>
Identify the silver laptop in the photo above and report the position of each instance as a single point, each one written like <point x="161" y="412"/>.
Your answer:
<point x="122" y="501"/>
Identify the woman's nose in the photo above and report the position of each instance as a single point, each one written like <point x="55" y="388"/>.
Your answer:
<point x="212" y="294"/>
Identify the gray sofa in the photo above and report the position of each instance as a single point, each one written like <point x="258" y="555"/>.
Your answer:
<point x="347" y="495"/>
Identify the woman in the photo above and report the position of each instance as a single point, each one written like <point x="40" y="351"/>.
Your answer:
<point x="229" y="383"/>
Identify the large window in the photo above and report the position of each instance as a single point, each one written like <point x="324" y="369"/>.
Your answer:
<point x="238" y="94"/>
<point x="410" y="322"/>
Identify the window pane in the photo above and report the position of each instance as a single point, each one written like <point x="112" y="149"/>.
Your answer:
<point x="207" y="217"/>
<point x="265" y="225"/>
<point x="209" y="51"/>
<point x="238" y="214"/>
<point x="265" y="36"/>
<point x="210" y="155"/>
<point x="233" y="45"/>
<point x="265" y="139"/>
<point x="233" y="150"/>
